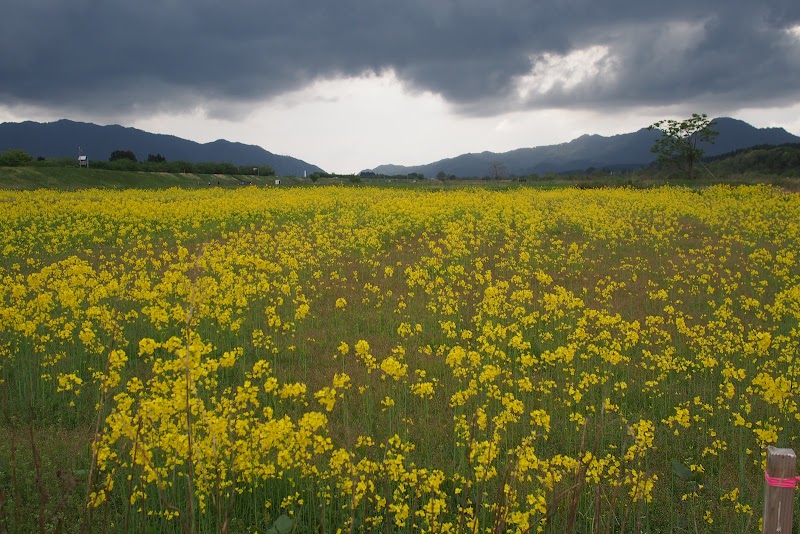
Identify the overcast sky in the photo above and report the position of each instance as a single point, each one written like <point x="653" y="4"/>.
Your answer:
<point x="351" y="84"/>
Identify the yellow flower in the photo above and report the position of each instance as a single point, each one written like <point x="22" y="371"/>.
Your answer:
<point x="393" y="368"/>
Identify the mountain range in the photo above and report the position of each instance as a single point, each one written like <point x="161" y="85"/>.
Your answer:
<point x="617" y="152"/>
<point x="64" y="138"/>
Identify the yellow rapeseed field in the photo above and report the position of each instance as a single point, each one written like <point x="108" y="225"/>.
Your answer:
<point x="372" y="360"/>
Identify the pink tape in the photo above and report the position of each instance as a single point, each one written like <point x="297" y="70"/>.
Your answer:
<point x="776" y="482"/>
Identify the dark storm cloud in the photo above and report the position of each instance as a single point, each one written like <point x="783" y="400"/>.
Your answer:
<point x="109" y="55"/>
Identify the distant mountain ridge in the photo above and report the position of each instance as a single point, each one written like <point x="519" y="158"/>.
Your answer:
<point x="62" y="138"/>
<point x="617" y="152"/>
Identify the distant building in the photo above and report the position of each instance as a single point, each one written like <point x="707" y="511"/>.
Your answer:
<point x="83" y="161"/>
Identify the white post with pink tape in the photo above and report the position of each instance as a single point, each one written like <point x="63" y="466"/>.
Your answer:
<point x="780" y="479"/>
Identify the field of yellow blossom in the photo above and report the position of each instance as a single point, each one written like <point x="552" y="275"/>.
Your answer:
<point x="339" y="359"/>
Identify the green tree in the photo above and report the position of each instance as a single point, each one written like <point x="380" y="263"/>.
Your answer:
<point x="14" y="158"/>
<point x="265" y="170"/>
<point x="680" y="144"/>
<point x="156" y="158"/>
<point x="122" y="154"/>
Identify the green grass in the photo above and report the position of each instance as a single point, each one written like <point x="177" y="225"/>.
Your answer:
<point x="69" y="178"/>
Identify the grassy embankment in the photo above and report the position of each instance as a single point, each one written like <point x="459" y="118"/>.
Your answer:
<point x="70" y="178"/>
<point x="77" y="178"/>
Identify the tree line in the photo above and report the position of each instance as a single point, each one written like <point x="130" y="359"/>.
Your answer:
<point x="774" y="159"/>
<point x="356" y="178"/>
<point x="125" y="160"/>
